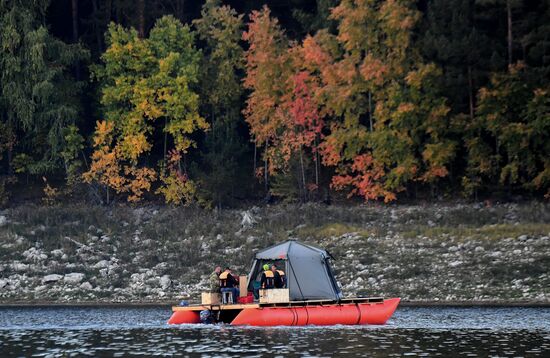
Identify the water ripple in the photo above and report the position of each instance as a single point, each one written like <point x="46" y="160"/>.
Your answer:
<point x="85" y="331"/>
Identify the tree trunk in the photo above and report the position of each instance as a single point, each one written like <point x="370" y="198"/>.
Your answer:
<point x="10" y="158"/>
<point x="97" y="31"/>
<point x="370" y="111"/>
<point x="165" y="136"/>
<point x="255" y="158"/>
<point x="180" y="10"/>
<point x="265" y="169"/>
<point x="74" y="8"/>
<point x="141" y="18"/>
<point x="471" y="92"/>
<point x="108" y="11"/>
<point x="509" y="16"/>
<point x="304" y="189"/>
<point x="85" y="160"/>
<point x="74" y="12"/>
<point x="316" y="158"/>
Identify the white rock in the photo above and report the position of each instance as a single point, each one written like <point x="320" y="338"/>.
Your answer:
<point x="51" y="278"/>
<point x="3" y="220"/>
<point x="3" y="283"/>
<point x="40" y="288"/>
<point x="57" y="253"/>
<point x="479" y="249"/>
<point x="17" y="266"/>
<point x="73" y="277"/>
<point x="248" y="220"/>
<point x="165" y="282"/>
<point x="102" y="264"/>
<point x="455" y="263"/>
<point x="86" y="286"/>
<point x="34" y="254"/>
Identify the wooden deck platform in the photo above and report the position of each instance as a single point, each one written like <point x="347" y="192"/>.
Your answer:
<point x="349" y="300"/>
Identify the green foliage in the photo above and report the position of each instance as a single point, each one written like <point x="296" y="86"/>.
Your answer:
<point x="73" y="146"/>
<point x="146" y="82"/>
<point x="312" y="22"/>
<point x="509" y="141"/>
<point x="22" y="163"/>
<point x="221" y="170"/>
<point x="38" y="96"/>
<point x="391" y="94"/>
<point x="5" y="181"/>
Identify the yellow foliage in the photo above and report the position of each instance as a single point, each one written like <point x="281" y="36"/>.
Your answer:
<point x="177" y="189"/>
<point x="50" y="193"/>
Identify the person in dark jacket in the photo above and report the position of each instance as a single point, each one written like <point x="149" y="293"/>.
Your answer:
<point x="228" y="281"/>
<point x="281" y="281"/>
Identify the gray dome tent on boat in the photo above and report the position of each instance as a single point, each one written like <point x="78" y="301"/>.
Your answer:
<point x="307" y="268"/>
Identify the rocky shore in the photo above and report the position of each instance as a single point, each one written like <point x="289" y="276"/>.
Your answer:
<point x="429" y="253"/>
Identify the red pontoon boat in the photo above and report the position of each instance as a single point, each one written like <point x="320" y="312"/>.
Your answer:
<point x="312" y="296"/>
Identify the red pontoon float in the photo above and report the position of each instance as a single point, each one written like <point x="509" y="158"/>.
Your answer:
<point x="313" y="295"/>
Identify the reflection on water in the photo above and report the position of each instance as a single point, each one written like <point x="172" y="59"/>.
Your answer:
<point x="435" y="331"/>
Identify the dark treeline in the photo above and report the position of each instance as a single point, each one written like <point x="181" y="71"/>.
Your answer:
<point x="220" y="102"/>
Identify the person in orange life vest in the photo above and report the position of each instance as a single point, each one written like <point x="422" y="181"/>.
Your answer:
<point x="269" y="278"/>
<point x="228" y="281"/>
<point x="281" y="282"/>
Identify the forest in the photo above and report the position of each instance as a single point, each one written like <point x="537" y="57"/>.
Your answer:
<point x="219" y="103"/>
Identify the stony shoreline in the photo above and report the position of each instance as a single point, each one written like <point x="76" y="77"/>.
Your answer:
<point x="433" y="254"/>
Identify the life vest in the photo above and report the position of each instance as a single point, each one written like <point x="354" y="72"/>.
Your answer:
<point x="223" y="279"/>
<point x="269" y="279"/>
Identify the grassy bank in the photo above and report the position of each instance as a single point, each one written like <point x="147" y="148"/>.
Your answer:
<point x="432" y="252"/>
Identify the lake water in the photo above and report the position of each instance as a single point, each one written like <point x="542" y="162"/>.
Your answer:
<point x="142" y="331"/>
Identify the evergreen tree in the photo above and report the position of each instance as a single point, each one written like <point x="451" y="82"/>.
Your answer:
<point x="39" y="97"/>
<point x="221" y="172"/>
<point x="452" y="41"/>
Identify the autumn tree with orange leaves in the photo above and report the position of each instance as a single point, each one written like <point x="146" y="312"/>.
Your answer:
<point x="388" y="123"/>
<point x="282" y="110"/>
<point x="266" y="73"/>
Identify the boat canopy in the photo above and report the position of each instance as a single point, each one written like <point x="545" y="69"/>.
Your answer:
<point x="307" y="268"/>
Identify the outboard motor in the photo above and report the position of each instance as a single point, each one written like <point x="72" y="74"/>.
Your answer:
<point x="206" y="317"/>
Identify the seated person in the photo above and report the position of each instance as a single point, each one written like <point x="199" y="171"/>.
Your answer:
<point x="228" y="283"/>
<point x="269" y="277"/>
<point x="281" y="282"/>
